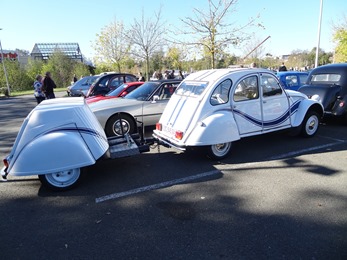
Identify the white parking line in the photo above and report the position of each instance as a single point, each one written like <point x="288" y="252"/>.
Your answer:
<point x="155" y="186"/>
<point x="204" y="174"/>
<point x="291" y="154"/>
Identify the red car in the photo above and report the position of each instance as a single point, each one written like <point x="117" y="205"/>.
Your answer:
<point x="121" y="91"/>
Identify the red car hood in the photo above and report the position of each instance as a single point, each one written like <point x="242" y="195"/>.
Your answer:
<point x="98" y="98"/>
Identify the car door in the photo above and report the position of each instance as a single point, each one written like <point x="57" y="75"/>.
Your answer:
<point x="154" y="107"/>
<point x="246" y="106"/>
<point x="274" y="103"/>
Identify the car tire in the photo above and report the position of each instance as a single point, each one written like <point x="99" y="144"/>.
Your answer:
<point x="113" y="125"/>
<point x="310" y="124"/>
<point x="219" y="151"/>
<point x="61" y="181"/>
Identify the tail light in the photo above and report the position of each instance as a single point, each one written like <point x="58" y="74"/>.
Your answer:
<point x="158" y="126"/>
<point x="342" y="104"/>
<point x="179" y="135"/>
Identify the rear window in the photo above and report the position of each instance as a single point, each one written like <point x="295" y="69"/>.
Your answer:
<point x="191" y="88"/>
<point x="328" y="77"/>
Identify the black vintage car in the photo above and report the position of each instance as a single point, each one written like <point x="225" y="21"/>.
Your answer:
<point x="328" y="84"/>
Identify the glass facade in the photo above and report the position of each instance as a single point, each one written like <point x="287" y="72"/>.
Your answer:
<point x="42" y="51"/>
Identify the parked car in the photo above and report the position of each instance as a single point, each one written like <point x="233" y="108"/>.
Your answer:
<point x="214" y="108"/>
<point x="292" y="79"/>
<point x="143" y="105"/>
<point x="121" y="91"/>
<point x="328" y="85"/>
<point x="80" y="87"/>
<point x="109" y="81"/>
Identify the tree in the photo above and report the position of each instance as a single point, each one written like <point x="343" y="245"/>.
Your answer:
<point x="174" y="57"/>
<point x="61" y="67"/>
<point x="17" y="77"/>
<point x="80" y="69"/>
<point x="340" y="37"/>
<point x="112" y="45"/>
<point x="146" y="37"/>
<point x="209" y="29"/>
<point x="33" y="68"/>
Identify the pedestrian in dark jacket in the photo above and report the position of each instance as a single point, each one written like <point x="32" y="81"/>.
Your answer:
<point x="48" y="86"/>
<point x="282" y="67"/>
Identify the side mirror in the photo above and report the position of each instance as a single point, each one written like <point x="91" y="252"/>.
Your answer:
<point x="155" y="98"/>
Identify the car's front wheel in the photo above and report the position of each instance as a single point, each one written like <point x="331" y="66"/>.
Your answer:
<point x="120" y="124"/>
<point x="309" y="126"/>
<point x="219" y="151"/>
<point x="60" y="181"/>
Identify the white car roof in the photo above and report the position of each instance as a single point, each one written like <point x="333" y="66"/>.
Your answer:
<point x="215" y="74"/>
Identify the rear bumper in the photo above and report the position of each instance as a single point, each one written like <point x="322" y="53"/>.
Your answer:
<point x="167" y="143"/>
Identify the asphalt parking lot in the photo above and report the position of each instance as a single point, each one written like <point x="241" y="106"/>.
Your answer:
<point x="275" y="197"/>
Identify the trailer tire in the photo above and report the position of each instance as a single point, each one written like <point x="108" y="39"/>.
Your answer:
<point x="113" y="125"/>
<point x="60" y="181"/>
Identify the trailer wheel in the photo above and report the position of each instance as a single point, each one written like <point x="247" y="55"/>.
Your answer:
<point x="309" y="126"/>
<point x="60" y="181"/>
<point x="117" y="122"/>
<point x="219" y="151"/>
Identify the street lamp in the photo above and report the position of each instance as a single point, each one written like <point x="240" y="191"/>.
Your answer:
<point x="3" y="64"/>
<point x="319" y="29"/>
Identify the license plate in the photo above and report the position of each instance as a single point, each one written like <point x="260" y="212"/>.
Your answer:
<point x="169" y="130"/>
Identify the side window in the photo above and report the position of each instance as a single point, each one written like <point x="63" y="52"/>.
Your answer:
<point x="292" y="81"/>
<point x="270" y="86"/>
<point x="130" y="78"/>
<point x="221" y="93"/>
<point x="103" y="82"/>
<point x="129" y="89"/>
<point x="166" y="90"/>
<point x="303" y="78"/>
<point x="116" y="82"/>
<point x="247" y="89"/>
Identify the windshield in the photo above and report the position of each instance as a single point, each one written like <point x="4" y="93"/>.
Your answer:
<point x="117" y="91"/>
<point x="144" y="91"/>
<point x="92" y="80"/>
<point x="191" y="88"/>
<point x="328" y="78"/>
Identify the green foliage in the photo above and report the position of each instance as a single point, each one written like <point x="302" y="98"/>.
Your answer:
<point x="113" y="46"/>
<point x="340" y="36"/>
<point x="81" y="70"/>
<point x="17" y="77"/>
<point x="33" y="68"/>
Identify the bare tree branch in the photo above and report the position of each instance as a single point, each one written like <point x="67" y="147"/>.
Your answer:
<point x="208" y="29"/>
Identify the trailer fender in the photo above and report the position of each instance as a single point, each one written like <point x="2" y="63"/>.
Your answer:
<point x="52" y="152"/>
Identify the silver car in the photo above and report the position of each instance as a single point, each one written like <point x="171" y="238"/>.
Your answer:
<point x="81" y="87"/>
<point x="143" y="105"/>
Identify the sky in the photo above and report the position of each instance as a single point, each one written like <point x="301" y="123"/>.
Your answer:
<point x="292" y="25"/>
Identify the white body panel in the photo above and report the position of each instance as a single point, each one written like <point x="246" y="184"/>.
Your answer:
<point x="219" y="106"/>
<point x="57" y="135"/>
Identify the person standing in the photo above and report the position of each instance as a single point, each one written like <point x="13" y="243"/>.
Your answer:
<point x="282" y="67"/>
<point x="141" y="77"/>
<point x="49" y="86"/>
<point x="39" y="95"/>
<point x="74" y="78"/>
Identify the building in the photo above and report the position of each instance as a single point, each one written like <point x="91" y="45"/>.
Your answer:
<point x="42" y="51"/>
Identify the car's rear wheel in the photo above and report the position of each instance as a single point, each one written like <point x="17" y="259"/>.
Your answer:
<point x="60" y="181"/>
<point x="119" y="125"/>
<point x="309" y="126"/>
<point x="219" y="151"/>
